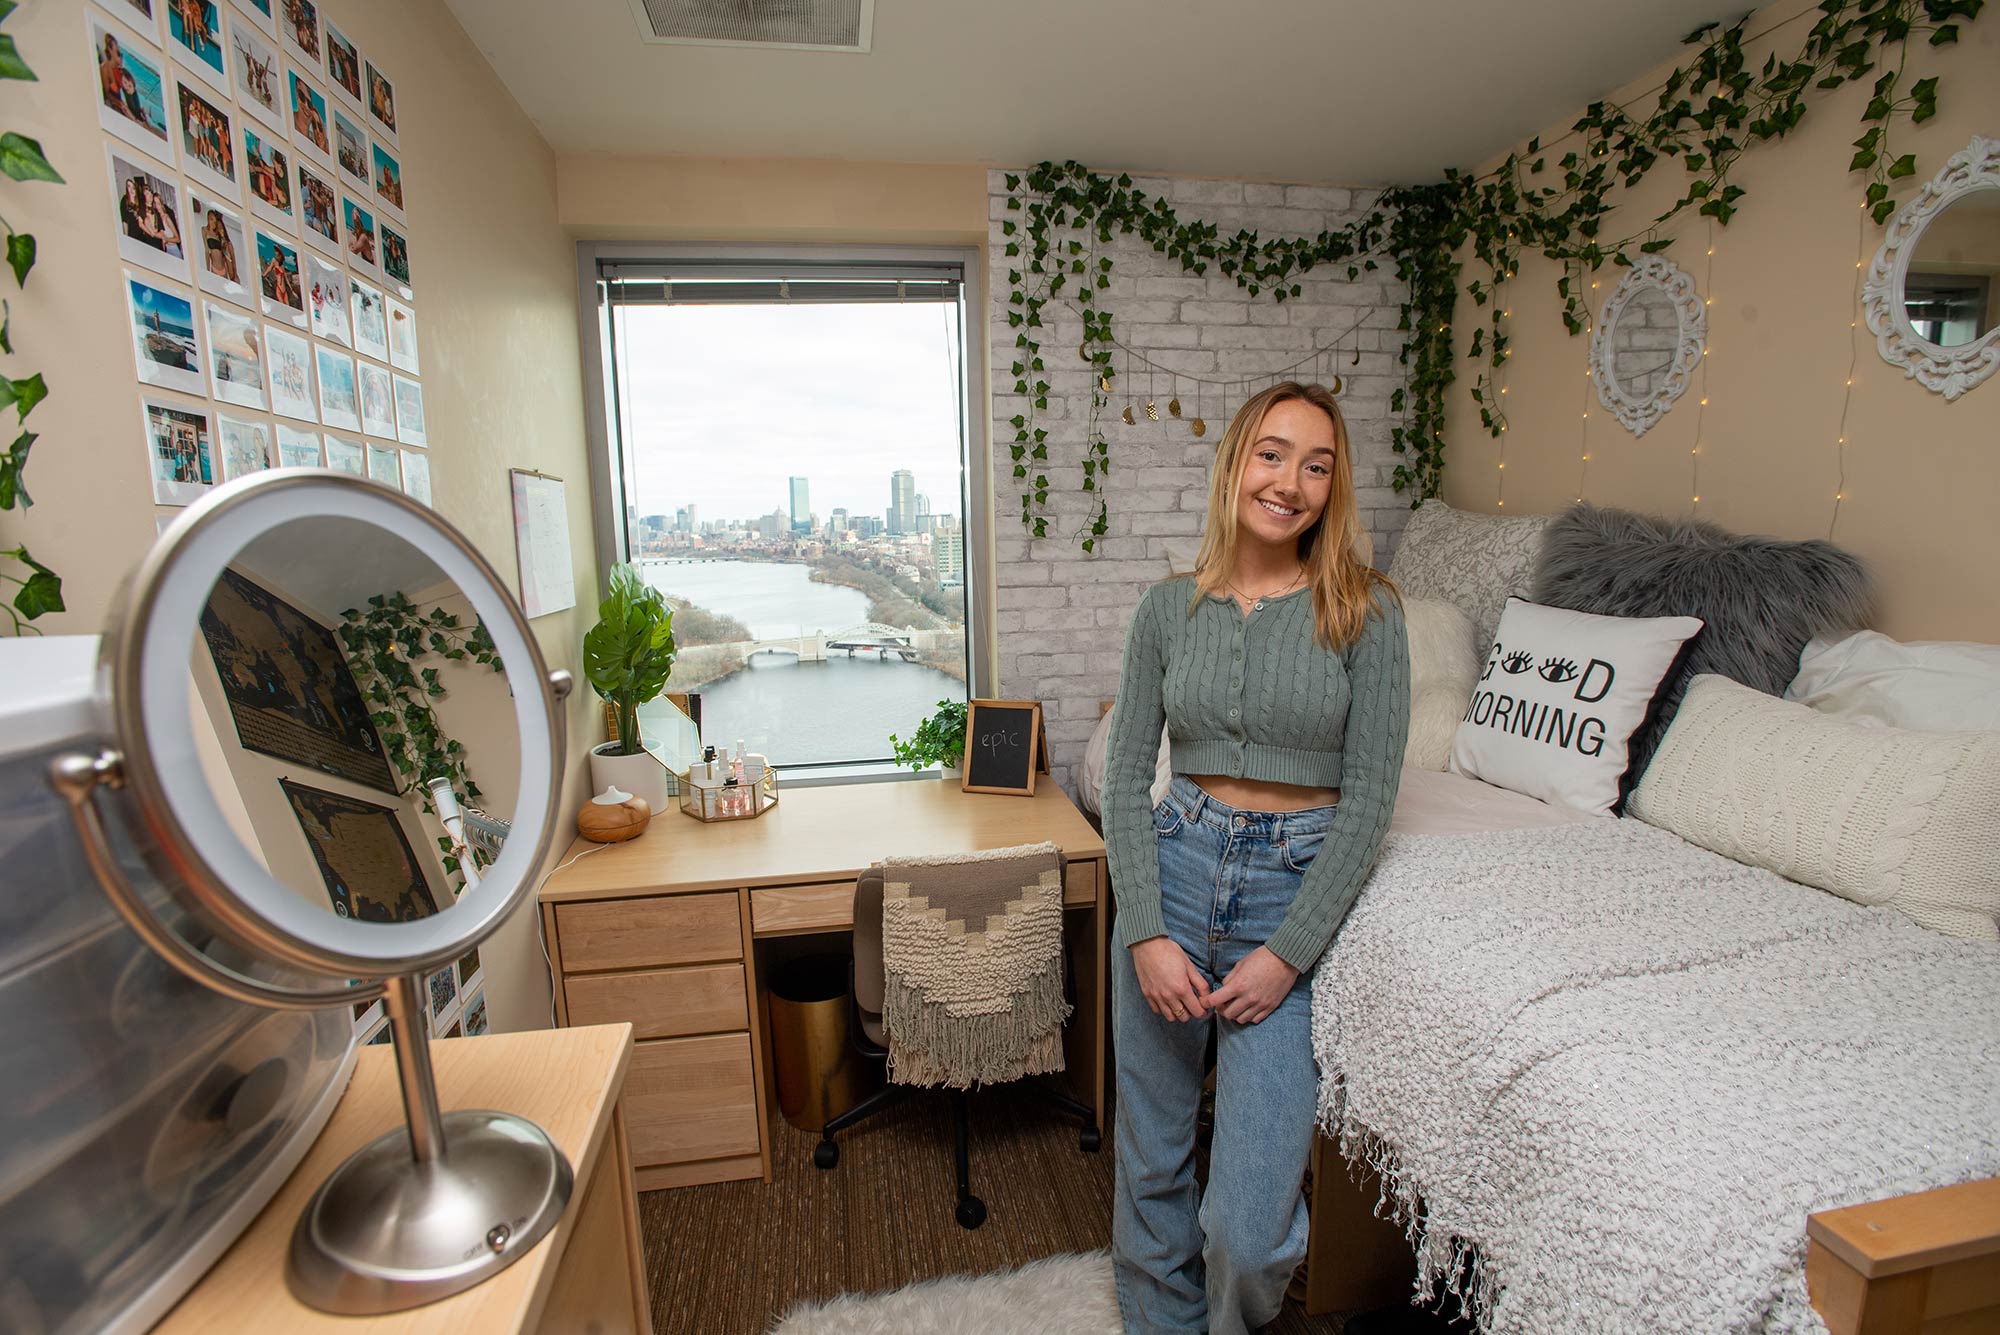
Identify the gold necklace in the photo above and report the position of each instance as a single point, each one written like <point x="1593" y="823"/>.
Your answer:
<point x="1258" y="600"/>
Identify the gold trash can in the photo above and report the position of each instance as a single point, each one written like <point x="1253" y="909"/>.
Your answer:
<point x="820" y="1075"/>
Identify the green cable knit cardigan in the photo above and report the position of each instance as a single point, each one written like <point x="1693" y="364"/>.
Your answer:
<point x="1258" y="697"/>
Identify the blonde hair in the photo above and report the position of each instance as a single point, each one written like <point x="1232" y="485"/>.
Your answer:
<point x="1332" y="551"/>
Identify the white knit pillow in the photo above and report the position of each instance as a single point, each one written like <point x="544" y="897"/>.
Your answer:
<point x="1876" y="815"/>
<point x="1444" y="662"/>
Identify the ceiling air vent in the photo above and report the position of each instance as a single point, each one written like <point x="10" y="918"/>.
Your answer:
<point x="797" y="25"/>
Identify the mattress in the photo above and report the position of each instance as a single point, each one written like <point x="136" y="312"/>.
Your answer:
<point x="1437" y="802"/>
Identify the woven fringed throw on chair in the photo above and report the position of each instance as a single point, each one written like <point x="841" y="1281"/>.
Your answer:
<point x="972" y="953"/>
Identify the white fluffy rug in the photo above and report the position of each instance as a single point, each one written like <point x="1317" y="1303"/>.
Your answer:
<point x="1061" y="1295"/>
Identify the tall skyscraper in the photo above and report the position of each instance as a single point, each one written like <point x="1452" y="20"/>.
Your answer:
<point x="949" y="551"/>
<point x="902" y="501"/>
<point x="801" y="507"/>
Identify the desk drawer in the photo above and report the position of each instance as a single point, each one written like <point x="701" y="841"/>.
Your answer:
<point x="665" y="929"/>
<point x="1079" y="883"/>
<point x="691" y="1098"/>
<point x="662" y="1003"/>
<point x="779" y="910"/>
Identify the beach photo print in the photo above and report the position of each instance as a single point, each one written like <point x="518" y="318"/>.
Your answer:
<point x="132" y="93"/>
<point x="195" y="26"/>
<point x="343" y="64"/>
<point x="346" y="456"/>
<point x="262" y="12"/>
<point x="289" y="359"/>
<point x="350" y="148"/>
<point x="378" y="402"/>
<point x="410" y="412"/>
<point x="163" y="336"/>
<point x="318" y="211"/>
<point x="254" y="68"/>
<point x="388" y="179"/>
<point x="361" y="244"/>
<point x="402" y="337"/>
<point x="223" y="263"/>
<point x="296" y="448"/>
<point x="280" y="281"/>
<point x="395" y="248"/>
<point x="298" y="28"/>
<point x="245" y="446"/>
<point x="180" y="451"/>
<point x="235" y="356"/>
<point x="339" y="394"/>
<point x="381" y="101"/>
<point x="308" y="110"/>
<point x="208" y="141"/>
<point x="326" y="301"/>
<point x="149" y="213"/>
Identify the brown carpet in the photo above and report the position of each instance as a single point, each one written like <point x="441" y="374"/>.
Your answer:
<point x="736" y="1256"/>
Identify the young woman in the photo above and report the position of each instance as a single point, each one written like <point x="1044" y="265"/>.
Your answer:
<point x="1281" y="671"/>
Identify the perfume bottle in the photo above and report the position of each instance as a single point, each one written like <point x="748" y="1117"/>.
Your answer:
<point x="732" y="797"/>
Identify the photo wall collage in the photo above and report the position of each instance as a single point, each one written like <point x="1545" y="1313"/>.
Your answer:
<point x="254" y="164"/>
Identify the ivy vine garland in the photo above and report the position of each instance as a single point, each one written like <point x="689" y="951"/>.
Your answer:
<point x="386" y="644"/>
<point x="1707" y="113"/>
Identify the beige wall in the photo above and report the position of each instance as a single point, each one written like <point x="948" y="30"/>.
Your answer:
<point x="1923" y="476"/>
<point x="496" y="317"/>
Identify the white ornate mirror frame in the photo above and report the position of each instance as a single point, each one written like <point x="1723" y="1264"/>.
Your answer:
<point x="1651" y="273"/>
<point x="1948" y="371"/>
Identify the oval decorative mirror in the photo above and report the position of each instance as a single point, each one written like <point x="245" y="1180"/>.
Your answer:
<point x="293" y="794"/>
<point x="1933" y="292"/>
<point x="1648" y="339"/>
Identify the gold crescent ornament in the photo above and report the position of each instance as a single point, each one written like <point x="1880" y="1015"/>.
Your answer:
<point x="1127" y="415"/>
<point x="1336" y="382"/>
<point x="1200" y="427"/>
<point x="1152" y="412"/>
<point x="1104" y="383"/>
<point x="1174" y="407"/>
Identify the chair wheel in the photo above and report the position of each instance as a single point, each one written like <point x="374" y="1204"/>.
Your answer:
<point x="1090" y="1140"/>
<point x="971" y="1212"/>
<point x="826" y="1154"/>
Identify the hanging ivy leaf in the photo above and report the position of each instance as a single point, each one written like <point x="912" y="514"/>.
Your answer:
<point x="21" y="158"/>
<point x="20" y="256"/>
<point x="14" y="492"/>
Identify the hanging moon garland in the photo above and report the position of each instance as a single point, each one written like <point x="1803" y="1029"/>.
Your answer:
<point x="1174" y="406"/>
<point x="1104" y="383"/>
<point x="1152" y="412"/>
<point x="1200" y="427"/>
<point x="1336" y="383"/>
<point x="1127" y="415"/>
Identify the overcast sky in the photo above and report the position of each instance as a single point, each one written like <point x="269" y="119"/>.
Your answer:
<point x="723" y="404"/>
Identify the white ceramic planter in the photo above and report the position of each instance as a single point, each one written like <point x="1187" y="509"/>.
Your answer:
<point x="641" y="775"/>
<point x="951" y="773"/>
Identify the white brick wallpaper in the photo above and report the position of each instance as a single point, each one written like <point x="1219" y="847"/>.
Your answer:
<point x="1062" y="613"/>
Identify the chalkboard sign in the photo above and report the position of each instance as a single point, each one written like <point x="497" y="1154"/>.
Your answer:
<point x="1003" y="740"/>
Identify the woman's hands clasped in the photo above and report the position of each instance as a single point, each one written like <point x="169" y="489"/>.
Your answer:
<point x="1176" y="990"/>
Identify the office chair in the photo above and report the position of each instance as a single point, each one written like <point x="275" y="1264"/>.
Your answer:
<point x="871" y="1039"/>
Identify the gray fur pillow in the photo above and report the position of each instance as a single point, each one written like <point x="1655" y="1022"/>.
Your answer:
<point x="1761" y="598"/>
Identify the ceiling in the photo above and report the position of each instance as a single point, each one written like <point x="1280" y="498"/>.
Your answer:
<point x="1356" y="92"/>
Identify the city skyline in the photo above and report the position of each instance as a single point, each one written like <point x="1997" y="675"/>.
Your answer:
<point x="721" y="405"/>
<point x="787" y="505"/>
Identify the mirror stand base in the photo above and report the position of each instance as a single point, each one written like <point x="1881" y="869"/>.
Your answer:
<point x="387" y="1232"/>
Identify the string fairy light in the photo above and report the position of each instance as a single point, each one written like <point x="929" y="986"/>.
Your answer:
<point x="1853" y="363"/>
<point x="1701" y="405"/>
<point x="1589" y="383"/>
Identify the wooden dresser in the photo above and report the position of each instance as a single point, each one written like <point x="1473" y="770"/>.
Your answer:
<point x="664" y="933"/>
<point x="587" y="1277"/>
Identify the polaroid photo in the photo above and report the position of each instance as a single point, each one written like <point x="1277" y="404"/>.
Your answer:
<point x="319" y="211"/>
<point x="254" y="68"/>
<point x="149" y="213"/>
<point x="339" y="395"/>
<point x="296" y="448"/>
<point x="269" y="169"/>
<point x="417" y="476"/>
<point x="378" y="402"/>
<point x="371" y="321"/>
<point x="261" y="12"/>
<point x="195" y="29"/>
<point x="222" y="258"/>
<point x="388" y="179"/>
<point x="385" y="464"/>
<point x="298" y="29"/>
<point x="181" y="449"/>
<point x="360" y="225"/>
<point x="474" y="1014"/>
<point x="350" y="148"/>
<point x="140" y="14"/>
<point x="402" y="336"/>
<point x="343" y="64"/>
<point x="469" y="970"/>
<point x="396" y="261"/>
<point x="280" y="281"/>
<point x="235" y="356"/>
<point x="326" y="301"/>
<point x="208" y="139"/>
<point x="245" y="446"/>
<point x="410" y="412"/>
<point x="381" y="101"/>
<point x="163" y="337"/>
<point x="346" y="456"/>
<point x="131" y="90"/>
<point x="289" y="357"/>
<point x="307" y="107"/>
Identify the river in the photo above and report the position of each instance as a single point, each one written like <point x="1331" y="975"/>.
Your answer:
<point x="802" y="713"/>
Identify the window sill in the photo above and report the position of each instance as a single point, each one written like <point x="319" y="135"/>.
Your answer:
<point x="874" y="771"/>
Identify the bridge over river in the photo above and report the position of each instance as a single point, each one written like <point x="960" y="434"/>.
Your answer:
<point x="905" y="642"/>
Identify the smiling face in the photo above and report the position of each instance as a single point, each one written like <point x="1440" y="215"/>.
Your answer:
<point x="1286" y="474"/>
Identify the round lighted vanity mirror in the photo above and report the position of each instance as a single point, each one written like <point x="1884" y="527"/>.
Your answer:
<point x="337" y="737"/>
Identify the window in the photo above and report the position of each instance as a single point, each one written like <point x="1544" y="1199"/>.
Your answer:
<point x="790" y="446"/>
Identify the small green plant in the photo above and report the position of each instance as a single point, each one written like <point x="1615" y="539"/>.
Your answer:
<point x="629" y="654"/>
<point x="939" y="739"/>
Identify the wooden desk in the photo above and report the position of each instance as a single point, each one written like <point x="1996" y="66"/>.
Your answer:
<point x="588" y="1274"/>
<point x="663" y="932"/>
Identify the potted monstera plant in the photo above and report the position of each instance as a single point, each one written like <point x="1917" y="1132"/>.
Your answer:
<point x="628" y="656"/>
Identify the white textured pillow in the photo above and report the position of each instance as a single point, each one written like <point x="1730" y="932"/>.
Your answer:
<point x="1090" y="779"/>
<point x="1869" y="678"/>
<point x="1559" y="699"/>
<point x="1471" y="561"/>
<point x="1876" y="815"/>
<point x="1444" y="662"/>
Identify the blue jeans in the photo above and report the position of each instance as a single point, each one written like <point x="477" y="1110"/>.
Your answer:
<point x="1226" y="879"/>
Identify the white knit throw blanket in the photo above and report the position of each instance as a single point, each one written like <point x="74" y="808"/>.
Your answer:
<point x="972" y="951"/>
<point x="1606" y="1075"/>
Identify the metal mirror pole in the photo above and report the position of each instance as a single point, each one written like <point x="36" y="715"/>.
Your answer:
<point x="405" y="1003"/>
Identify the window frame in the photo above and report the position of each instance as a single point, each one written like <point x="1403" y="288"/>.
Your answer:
<point x="607" y="474"/>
